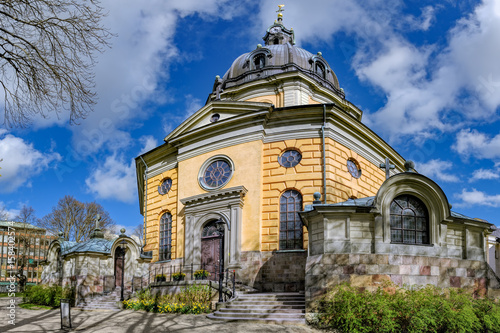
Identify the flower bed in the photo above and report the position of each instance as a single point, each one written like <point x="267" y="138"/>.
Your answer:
<point x="191" y="300"/>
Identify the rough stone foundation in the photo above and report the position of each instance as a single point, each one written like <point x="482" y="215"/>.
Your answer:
<point x="278" y="271"/>
<point x="370" y="271"/>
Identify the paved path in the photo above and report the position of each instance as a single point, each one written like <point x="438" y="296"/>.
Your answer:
<point x="128" y="321"/>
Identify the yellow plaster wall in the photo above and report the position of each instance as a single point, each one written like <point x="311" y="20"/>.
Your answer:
<point x="312" y="101"/>
<point x="257" y="168"/>
<point x="157" y="205"/>
<point x="247" y="161"/>
<point x="276" y="99"/>
<point x="307" y="178"/>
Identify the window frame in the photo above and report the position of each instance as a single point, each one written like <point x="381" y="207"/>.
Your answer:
<point x="424" y="231"/>
<point x="206" y="164"/>
<point x="262" y="63"/>
<point x="318" y="64"/>
<point x="286" y="151"/>
<point x="162" y="190"/>
<point x="297" y="243"/>
<point x="165" y="234"/>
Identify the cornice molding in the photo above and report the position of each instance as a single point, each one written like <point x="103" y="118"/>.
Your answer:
<point x="230" y="196"/>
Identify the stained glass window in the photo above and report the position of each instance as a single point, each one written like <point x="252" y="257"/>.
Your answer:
<point x="216" y="174"/>
<point x="290" y="158"/>
<point x="290" y="223"/>
<point x="353" y="168"/>
<point x="409" y="221"/>
<point x="165" y="186"/>
<point x="166" y="237"/>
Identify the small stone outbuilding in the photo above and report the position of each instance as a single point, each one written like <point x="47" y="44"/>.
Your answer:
<point x="97" y="265"/>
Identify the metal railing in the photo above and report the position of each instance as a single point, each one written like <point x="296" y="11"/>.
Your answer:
<point x="107" y="282"/>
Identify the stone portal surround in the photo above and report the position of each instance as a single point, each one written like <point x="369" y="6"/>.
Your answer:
<point x="370" y="271"/>
<point x="273" y="271"/>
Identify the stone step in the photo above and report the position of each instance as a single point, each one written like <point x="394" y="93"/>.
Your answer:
<point x="278" y="308"/>
<point x="260" y="310"/>
<point x="259" y="314"/>
<point x="268" y="299"/>
<point x="256" y="303"/>
<point x="235" y="305"/>
<point x="277" y="321"/>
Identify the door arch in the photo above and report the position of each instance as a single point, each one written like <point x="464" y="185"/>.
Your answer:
<point x="119" y="266"/>
<point x="210" y="249"/>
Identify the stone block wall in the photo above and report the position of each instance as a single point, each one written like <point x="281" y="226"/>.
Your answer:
<point x="273" y="271"/>
<point x="370" y="271"/>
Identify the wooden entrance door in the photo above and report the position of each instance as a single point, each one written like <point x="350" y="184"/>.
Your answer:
<point x="210" y="250"/>
<point x="119" y="260"/>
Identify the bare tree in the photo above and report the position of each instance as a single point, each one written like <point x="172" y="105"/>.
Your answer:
<point x="4" y="215"/>
<point x="47" y="54"/>
<point x="139" y="232"/>
<point x="25" y="237"/>
<point x="75" y="219"/>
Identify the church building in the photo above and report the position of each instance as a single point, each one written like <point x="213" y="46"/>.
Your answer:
<point x="309" y="195"/>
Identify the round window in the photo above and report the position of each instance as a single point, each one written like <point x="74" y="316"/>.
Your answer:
<point x="353" y="167"/>
<point x="215" y="118"/>
<point x="165" y="186"/>
<point x="290" y="158"/>
<point x="215" y="173"/>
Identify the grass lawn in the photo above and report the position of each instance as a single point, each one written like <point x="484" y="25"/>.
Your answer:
<point x="30" y="306"/>
<point x="7" y="294"/>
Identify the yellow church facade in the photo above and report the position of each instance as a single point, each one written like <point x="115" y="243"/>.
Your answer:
<point x="276" y="129"/>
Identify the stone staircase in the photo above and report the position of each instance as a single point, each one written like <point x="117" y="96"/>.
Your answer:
<point x="104" y="302"/>
<point x="274" y="308"/>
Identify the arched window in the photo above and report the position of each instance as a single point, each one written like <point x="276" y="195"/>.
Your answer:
<point x="165" y="237"/>
<point x="276" y="41"/>
<point x="409" y="221"/>
<point x="320" y="69"/>
<point x="290" y="223"/>
<point x="259" y="61"/>
<point x="59" y="261"/>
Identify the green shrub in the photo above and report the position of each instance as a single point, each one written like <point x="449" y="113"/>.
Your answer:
<point x="194" y="299"/>
<point x="44" y="295"/>
<point x="418" y="309"/>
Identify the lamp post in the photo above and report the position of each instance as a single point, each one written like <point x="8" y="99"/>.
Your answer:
<point x="220" y="231"/>
<point x="123" y="245"/>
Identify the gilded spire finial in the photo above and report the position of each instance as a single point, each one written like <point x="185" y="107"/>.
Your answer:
<point x="280" y="12"/>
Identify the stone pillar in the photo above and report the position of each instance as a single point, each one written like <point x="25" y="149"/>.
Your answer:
<point x="235" y="238"/>
<point x="188" y="239"/>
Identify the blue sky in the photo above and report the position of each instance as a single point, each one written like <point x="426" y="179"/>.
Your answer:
<point x="425" y="73"/>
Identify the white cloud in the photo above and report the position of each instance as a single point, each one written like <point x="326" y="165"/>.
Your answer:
<point x="115" y="179"/>
<point x="148" y="142"/>
<point x="10" y="213"/>
<point x="474" y="143"/>
<point x="484" y="174"/>
<point x="21" y="162"/>
<point x="477" y="198"/>
<point x="437" y="169"/>
<point x="192" y="105"/>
